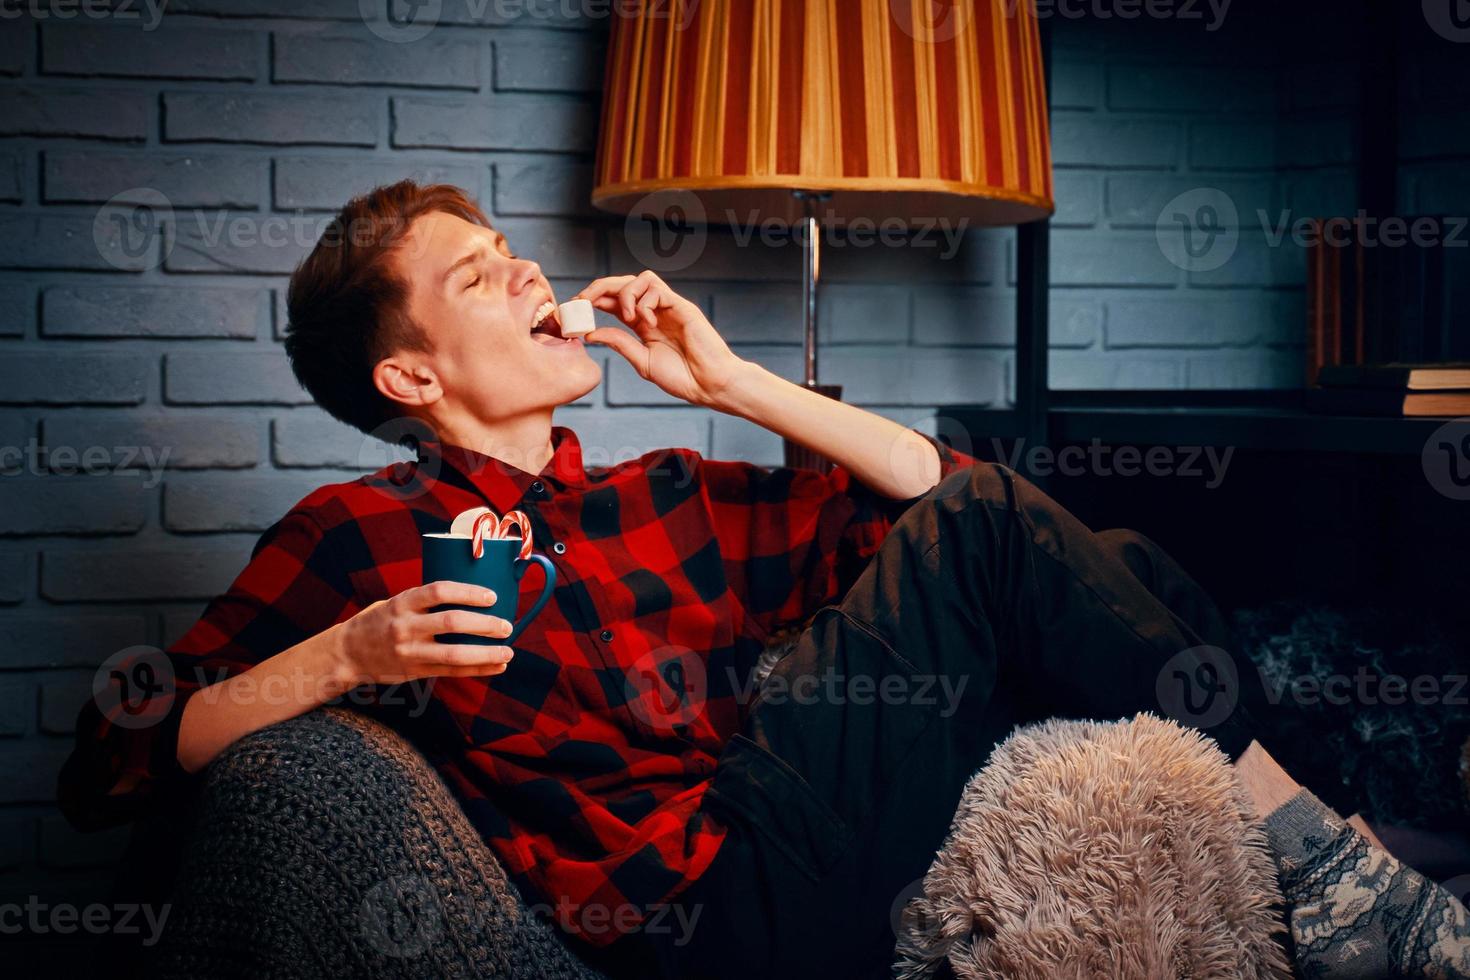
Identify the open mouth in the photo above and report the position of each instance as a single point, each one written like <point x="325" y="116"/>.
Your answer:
<point x="546" y="327"/>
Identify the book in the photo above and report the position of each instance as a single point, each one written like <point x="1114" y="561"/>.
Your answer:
<point x="1388" y="402"/>
<point x="1402" y="377"/>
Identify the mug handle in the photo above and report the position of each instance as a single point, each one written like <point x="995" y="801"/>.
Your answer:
<point x="521" y="564"/>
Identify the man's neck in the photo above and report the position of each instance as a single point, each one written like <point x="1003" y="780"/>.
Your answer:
<point x="523" y="442"/>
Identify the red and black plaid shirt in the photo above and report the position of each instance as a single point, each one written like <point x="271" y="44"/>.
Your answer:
<point x="584" y="764"/>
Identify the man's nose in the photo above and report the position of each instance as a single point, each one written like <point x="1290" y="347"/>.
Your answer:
<point x="525" y="275"/>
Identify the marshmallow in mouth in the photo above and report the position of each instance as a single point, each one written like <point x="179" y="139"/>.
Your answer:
<point x="546" y="327"/>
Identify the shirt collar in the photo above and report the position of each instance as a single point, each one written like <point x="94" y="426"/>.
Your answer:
<point x="502" y="484"/>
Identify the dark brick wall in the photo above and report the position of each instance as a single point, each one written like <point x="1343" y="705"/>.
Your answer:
<point x="156" y="376"/>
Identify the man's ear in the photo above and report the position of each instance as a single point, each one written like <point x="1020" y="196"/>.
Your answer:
<point x="407" y="381"/>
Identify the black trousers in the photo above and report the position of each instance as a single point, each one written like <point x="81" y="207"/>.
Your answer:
<point x="987" y="606"/>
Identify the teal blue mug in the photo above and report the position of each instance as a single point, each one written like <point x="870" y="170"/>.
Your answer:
<point x="450" y="559"/>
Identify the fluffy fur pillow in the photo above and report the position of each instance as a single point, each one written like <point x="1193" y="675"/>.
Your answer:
<point x="1085" y="849"/>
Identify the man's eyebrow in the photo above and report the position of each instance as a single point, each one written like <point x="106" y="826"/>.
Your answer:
<point x="462" y="261"/>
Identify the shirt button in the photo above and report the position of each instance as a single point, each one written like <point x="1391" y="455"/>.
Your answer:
<point x="538" y="487"/>
<point x="605" y="636"/>
<point x="560" y="547"/>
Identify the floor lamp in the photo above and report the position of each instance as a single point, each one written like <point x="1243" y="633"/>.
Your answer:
<point x="819" y="112"/>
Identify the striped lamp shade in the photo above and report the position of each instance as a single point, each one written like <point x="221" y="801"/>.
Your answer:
<point x="898" y="108"/>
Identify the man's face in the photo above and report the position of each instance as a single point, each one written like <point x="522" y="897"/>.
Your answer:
<point x="477" y="303"/>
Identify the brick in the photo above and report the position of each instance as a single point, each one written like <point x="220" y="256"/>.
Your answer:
<point x="15" y="41"/>
<point x="57" y="241"/>
<point x="273" y="118"/>
<point x="434" y="61"/>
<point x="1257" y="262"/>
<point x="63" y="847"/>
<point x="510" y="123"/>
<point x="1079" y="200"/>
<point x="757" y="314"/>
<point x="12" y="173"/>
<point x="1076" y="84"/>
<point x="1092" y="371"/>
<point x="1117" y="259"/>
<point x="154" y="311"/>
<point x="200" y="571"/>
<point x="17" y="838"/>
<point x="1320" y="193"/>
<point x="31" y="766"/>
<point x="1441" y="190"/>
<point x="874" y="376"/>
<point x="178" y="440"/>
<point x="985" y="318"/>
<point x="1232" y="146"/>
<point x="1236" y="321"/>
<point x="570" y="63"/>
<point x="312" y="438"/>
<point x="1318" y="141"/>
<point x="242" y="243"/>
<point x="185" y="179"/>
<point x="1311" y="88"/>
<point x="712" y="253"/>
<point x="1434" y="134"/>
<point x="735" y="438"/>
<point x="306" y="9"/>
<point x="561" y="247"/>
<point x="87" y="504"/>
<point x="326" y="183"/>
<point x="17" y="573"/>
<point x="950" y="252"/>
<point x="1139" y="201"/>
<point x="1177" y="88"/>
<point x="857" y="314"/>
<point x="17" y="308"/>
<point x="1083" y="141"/>
<point x="66" y="638"/>
<point x="17" y="707"/>
<point x="62" y="379"/>
<point x="77" y="49"/>
<point x="544" y="188"/>
<point x="1261" y="369"/>
<point x="96" y="113"/>
<point x="61" y="700"/>
<point x="213" y="502"/>
<point x="610" y="436"/>
<point x="231" y="379"/>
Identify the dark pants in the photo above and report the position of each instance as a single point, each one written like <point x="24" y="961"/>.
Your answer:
<point x="987" y="606"/>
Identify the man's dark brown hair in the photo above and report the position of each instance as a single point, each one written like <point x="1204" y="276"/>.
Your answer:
<point x="347" y="309"/>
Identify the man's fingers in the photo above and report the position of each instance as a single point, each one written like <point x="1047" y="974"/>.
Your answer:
<point x="471" y="657"/>
<point x="630" y="347"/>
<point x="449" y="593"/>
<point x="603" y="286"/>
<point x="464" y="621"/>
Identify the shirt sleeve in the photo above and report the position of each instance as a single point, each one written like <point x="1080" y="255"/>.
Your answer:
<point x="794" y="540"/>
<point x="127" y="733"/>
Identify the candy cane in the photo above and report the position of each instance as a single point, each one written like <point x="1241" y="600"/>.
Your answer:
<point x="517" y="519"/>
<point x="485" y="522"/>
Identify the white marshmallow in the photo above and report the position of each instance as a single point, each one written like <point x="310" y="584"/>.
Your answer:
<point x="576" y="317"/>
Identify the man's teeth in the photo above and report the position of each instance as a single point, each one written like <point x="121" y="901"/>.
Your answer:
<point x="542" y="312"/>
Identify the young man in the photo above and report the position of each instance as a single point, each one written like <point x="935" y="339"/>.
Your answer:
<point x="617" y="758"/>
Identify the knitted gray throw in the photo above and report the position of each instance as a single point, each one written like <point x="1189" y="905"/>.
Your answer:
<point x="327" y="847"/>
